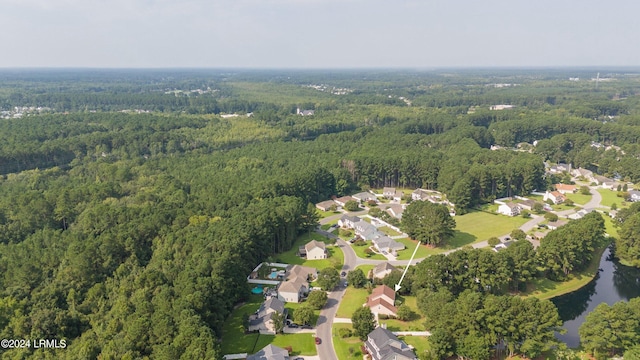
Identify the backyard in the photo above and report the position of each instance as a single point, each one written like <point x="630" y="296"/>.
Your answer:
<point x="346" y="348"/>
<point x="579" y="199"/>
<point x="234" y="340"/>
<point x="416" y="324"/>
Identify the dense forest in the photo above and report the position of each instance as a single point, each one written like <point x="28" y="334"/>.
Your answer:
<point x="134" y="203"/>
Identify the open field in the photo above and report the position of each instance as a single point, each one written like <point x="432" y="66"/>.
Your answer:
<point x="610" y="197"/>
<point x="352" y="300"/>
<point x="423" y="251"/>
<point x="579" y="199"/>
<point x="482" y="225"/>
<point x="335" y="259"/>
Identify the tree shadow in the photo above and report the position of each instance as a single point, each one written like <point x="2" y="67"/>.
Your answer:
<point x="460" y="239"/>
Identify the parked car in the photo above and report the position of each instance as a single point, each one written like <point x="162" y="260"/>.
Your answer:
<point x="318" y="341"/>
<point x="343" y="274"/>
<point x="305" y="326"/>
<point x="293" y="325"/>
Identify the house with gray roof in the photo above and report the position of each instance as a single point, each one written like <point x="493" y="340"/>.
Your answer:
<point x="364" y="197"/>
<point x="634" y="195"/>
<point x="348" y="221"/>
<point x="388" y="192"/>
<point x="383" y="269"/>
<point x="270" y="352"/>
<point x="382" y="344"/>
<point x="261" y="320"/>
<point x="385" y="243"/>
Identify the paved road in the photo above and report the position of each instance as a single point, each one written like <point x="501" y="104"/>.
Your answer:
<point x="326" y="350"/>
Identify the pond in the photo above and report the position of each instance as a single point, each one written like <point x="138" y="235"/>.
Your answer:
<point x="615" y="282"/>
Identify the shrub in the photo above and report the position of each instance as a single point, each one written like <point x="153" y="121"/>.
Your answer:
<point x="345" y="332"/>
<point x="493" y="241"/>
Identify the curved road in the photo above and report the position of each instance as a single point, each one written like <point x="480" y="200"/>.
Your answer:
<point x="351" y="261"/>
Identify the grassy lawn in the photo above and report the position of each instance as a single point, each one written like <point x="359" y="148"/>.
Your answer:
<point x="417" y="324"/>
<point x="483" y="225"/>
<point x="389" y="231"/>
<point x="365" y="269"/>
<point x="608" y="226"/>
<point x="292" y="307"/>
<point x="352" y="301"/>
<point x="609" y="197"/>
<point x="234" y="339"/>
<point x="423" y="251"/>
<point x="420" y="343"/>
<point x="336" y="257"/>
<point x="301" y="344"/>
<point x="324" y="214"/>
<point x="359" y="250"/>
<point x="546" y="289"/>
<point x="578" y="198"/>
<point x="342" y="346"/>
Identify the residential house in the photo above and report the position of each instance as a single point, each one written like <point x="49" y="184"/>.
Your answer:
<point x="343" y="200"/>
<point x="566" y="189"/>
<point x="579" y="214"/>
<point x="502" y="246"/>
<point x="347" y="221"/>
<point x="382" y="344"/>
<point x="388" y="192"/>
<point x="397" y="197"/>
<point x="305" y="112"/>
<point x="527" y="204"/>
<point x="634" y="195"/>
<point x="365" y="230"/>
<point x="554" y="196"/>
<point x="293" y="290"/>
<point x="364" y="197"/>
<point x="580" y="172"/>
<point x="395" y="210"/>
<point x="383" y="269"/>
<point x="611" y="185"/>
<point x="382" y="300"/>
<point x="315" y="250"/>
<point x="262" y="320"/>
<point x="600" y="180"/>
<point x="270" y="352"/>
<point x="509" y="209"/>
<point x="386" y="244"/>
<point x="560" y="168"/>
<point x="296" y="286"/>
<point x="419" y="194"/>
<point x="326" y="205"/>
<point x="556" y="224"/>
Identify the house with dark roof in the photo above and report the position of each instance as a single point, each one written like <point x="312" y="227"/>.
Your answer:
<point x="262" y="320"/>
<point x="270" y="352"/>
<point x="382" y="344"/>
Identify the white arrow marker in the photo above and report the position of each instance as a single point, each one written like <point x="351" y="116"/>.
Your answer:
<point x="407" y="268"/>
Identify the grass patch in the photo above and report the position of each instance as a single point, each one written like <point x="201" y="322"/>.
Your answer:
<point x="420" y="343"/>
<point x="389" y="231"/>
<point x="325" y="214"/>
<point x="484" y="225"/>
<point x="609" y="227"/>
<point x="416" y="324"/>
<point x="301" y="344"/>
<point x="342" y="346"/>
<point x="234" y="339"/>
<point x="423" y="251"/>
<point x="359" y="250"/>
<point x="366" y="268"/>
<point x="609" y="197"/>
<point x="544" y="288"/>
<point x="352" y="301"/>
<point x="578" y="198"/>
<point x="335" y="255"/>
<point x="292" y="307"/>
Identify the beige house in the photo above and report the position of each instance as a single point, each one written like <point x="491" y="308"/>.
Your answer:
<point x="554" y="196"/>
<point x="509" y="209"/>
<point x="262" y="320"/>
<point x="293" y="290"/>
<point x="382" y="270"/>
<point x="326" y="205"/>
<point x="315" y="250"/>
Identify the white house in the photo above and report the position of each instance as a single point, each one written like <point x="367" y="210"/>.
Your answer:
<point x="554" y="196"/>
<point x="509" y="209"/>
<point x="395" y="210"/>
<point x="634" y="195"/>
<point x="315" y="250"/>
<point x="364" y="197"/>
<point x="388" y="192"/>
<point x="347" y="221"/>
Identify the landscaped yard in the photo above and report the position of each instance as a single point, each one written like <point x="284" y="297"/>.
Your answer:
<point x="578" y="198"/>
<point x="342" y="346"/>
<point x="483" y="225"/>
<point x="336" y="257"/>
<point x="417" y="324"/>
<point x="352" y="300"/>
<point x="324" y="214"/>
<point x="292" y="307"/>
<point x="423" y="251"/>
<point x="609" y="197"/>
<point x="359" y="250"/>
<point x="420" y="343"/>
<point x="365" y="269"/>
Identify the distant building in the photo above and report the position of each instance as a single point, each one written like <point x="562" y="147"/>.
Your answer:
<point x="509" y="209"/>
<point x="305" y="112"/>
<point x="566" y="189"/>
<point x="326" y="205"/>
<point x="388" y="192"/>
<point x="555" y="196"/>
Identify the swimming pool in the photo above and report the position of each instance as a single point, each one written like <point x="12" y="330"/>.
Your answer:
<point x="273" y="275"/>
<point x="257" y="290"/>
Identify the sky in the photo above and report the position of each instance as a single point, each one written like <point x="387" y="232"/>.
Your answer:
<point x="318" y="33"/>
